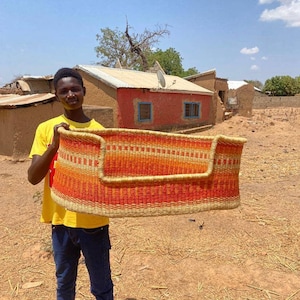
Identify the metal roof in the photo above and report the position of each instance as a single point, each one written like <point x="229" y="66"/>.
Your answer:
<point x="124" y="78"/>
<point x="212" y="71"/>
<point x="13" y="100"/>
<point x="29" y="77"/>
<point x="234" y="85"/>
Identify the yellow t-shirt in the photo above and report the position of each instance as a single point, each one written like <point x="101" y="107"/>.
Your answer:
<point x="52" y="212"/>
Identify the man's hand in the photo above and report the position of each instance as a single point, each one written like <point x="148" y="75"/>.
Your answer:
<point x="55" y="141"/>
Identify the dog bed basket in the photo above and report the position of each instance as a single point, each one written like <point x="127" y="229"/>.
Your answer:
<point x="127" y="172"/>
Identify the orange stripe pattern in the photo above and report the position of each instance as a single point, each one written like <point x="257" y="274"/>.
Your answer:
<point x="127" y="172"/>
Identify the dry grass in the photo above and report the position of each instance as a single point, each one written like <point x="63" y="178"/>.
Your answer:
<point x="250" y="253"/>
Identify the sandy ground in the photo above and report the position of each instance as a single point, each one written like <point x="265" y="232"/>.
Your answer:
<point x="251" y="252"/>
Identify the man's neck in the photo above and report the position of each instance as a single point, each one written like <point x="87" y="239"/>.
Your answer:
<point x="77" y="116"/>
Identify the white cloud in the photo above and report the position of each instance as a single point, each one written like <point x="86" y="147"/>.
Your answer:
<point x="252" y="58"/>
<point x="254" y="68"/>
<point x="264" y="58"/>
<point x="265" y="1"/>
<point x="288" y="11"/>
<point x="249" y="51"/>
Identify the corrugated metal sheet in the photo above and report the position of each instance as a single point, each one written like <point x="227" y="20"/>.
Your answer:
<point x="12" y="100"/>
<point x="47" y="77"/>
<point x="213" y="71"/>
<point x="234" y="85"/>
<point x="123" y="78"/>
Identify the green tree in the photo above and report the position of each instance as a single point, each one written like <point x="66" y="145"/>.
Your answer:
<point x="135" y="51"/>
<point x="190" y="71"/>
<point x="170" y="61"/>
<point x="297" y="81"/>
<point x="281" y="86"/>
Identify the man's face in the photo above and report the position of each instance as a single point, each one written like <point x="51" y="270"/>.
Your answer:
<point x="70" y="93"/>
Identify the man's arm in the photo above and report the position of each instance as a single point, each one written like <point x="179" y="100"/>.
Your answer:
<point x="40" y="163"/>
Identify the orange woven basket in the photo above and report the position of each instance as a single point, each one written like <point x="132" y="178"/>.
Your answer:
<point x="126" y="172"/>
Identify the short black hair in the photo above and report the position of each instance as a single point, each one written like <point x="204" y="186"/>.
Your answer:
<point x="66" y="72"/>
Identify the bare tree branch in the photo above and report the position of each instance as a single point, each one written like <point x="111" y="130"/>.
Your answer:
<point x="131" y="49"/>
<point x="139" y="44"/>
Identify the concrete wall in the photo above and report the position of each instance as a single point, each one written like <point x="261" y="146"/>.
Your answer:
<point x="261" y="102"/>
<point x="167" y="109"/>
<point x="244" y="100"/>
<point x="207" y="81"/>
<point x="18" y="125"/>
<point x="221" y="87"/>
<point x="39" y="86"/>
<point x="210" y="82"/>
<point x="103" y="115"/>
<point x="99" y="94"/>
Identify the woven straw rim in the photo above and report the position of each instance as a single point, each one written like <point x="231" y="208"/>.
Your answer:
<point x="93" y="134"/>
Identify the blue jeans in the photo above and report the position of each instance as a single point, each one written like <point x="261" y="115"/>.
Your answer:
<point x="95" y="245"/>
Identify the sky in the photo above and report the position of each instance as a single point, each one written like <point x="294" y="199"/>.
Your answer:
<point x="240" y="39"/>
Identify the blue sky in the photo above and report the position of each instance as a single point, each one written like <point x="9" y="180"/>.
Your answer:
<point x="241" y="39"/>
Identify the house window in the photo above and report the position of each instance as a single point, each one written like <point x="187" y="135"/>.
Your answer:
<point x="191" y="110"/>
<point x="144" y="111"/>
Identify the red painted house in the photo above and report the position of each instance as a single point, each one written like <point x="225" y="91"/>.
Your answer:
<point x="143" y="100"/>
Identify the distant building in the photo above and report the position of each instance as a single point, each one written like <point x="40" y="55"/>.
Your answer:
<point x="146" y="100"/>
<point x="230" y="97"/>
<point x="29" y="85"/>
<point x="240" y="97"/>
<point x="219" y="87"/>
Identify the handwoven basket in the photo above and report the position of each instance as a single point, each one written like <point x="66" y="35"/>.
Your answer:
<point x="126" y="172"/>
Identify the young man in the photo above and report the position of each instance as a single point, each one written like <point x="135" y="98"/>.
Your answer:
<point x="72" y="233"/>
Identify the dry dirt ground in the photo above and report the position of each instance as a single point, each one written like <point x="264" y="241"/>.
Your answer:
<point x="251" y="252"/>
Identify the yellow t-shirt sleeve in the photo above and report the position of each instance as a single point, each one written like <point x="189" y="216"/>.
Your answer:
<point x="40" y="142"/>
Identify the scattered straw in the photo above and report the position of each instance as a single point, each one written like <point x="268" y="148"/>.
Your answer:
<point x="292" y="295"/>
<point x="267" y="292"/>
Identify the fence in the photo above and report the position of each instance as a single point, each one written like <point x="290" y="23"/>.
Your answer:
<point x="261" y="102"/>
